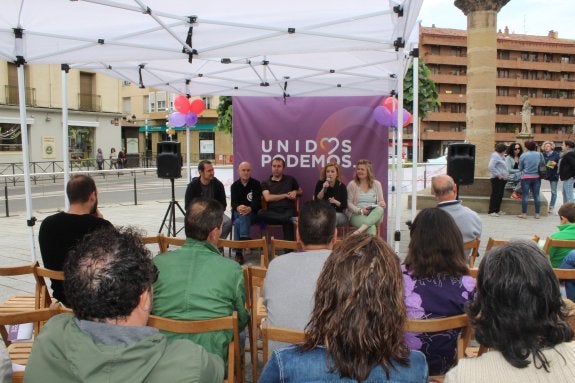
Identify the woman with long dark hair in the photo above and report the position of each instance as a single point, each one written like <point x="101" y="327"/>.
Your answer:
<point x="519" y="314"/>
<point x="356" y="327"/>
<point x="437" y="284"/>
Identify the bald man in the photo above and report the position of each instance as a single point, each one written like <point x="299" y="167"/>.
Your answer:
<point x="246" y="195"/>
<point x="445" y="191"/>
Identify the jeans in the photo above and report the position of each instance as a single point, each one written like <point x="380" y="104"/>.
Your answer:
<point x="568" y="190"/>
<point x="553" y="185"/>
<point x="533" y="184"/>
<point x="281" y="216"/>
<point x="242" y="225"/>
<point x="569" y="263"/>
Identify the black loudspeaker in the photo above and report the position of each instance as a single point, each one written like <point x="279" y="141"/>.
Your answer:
<point x="461" y="163"/>
<point x="169" y="160"/>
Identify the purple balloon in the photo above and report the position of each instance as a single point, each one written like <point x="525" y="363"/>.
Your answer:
<point x="177" y="119"/>
<point x="382" y="116"/>
<point x="191" y="119"/>
<point x="394" y="118"/>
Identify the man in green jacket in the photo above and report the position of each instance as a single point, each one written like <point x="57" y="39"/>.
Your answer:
<point x="196" y="282"/>
<point x="566" y="231"/>
<point x="109" y="287"/>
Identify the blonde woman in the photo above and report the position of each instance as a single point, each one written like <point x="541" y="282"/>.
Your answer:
<point x="365" y="203"/>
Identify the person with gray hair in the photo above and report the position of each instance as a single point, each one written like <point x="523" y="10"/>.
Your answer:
<point x="518" y="313"/>
<point x="444" y="189"/>
<point x="108" y="282"/>
<point x="551" y="158"/>
<point x="498" y="173"/>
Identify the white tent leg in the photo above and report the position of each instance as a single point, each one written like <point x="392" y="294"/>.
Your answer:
<point x="188" y="154"/>
<point x="65" y="151"/>
<point x="415" y="135"/>
<point x="26" y="159"/>
<point x="397" y="234"/>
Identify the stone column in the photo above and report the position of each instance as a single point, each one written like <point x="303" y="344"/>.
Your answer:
<point x="481" y="77"/>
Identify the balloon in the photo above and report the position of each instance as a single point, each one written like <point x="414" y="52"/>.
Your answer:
<point x="406" y="118"/>
<point x="177" y="119"/>
<point x="197" y="106"/>
<point x="382" y="116"/>
<point x="390" y="104"/>
<point x="191" y="119"/>
<point x="182" y="104"/>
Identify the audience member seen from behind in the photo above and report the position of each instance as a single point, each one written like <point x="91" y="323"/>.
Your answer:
<point x="566" y="232"/>
<point x="356" y="327"/>
<point x="530" y="180"/>
<point x="498" y="174"/>
<point x="551" y="158"/>
<point x="437" y="284"/>
<point x="365" y="201"/>
<point x="519" y="314"/>
<point x="330" y="188"/>
<point x="108" y="282"/>
<point x="291" y="279"/>
<point x="514" y="151"/>
<point x="60" y="232"/>
<point x="567" y="170"/>
<point x="196" y="282"/>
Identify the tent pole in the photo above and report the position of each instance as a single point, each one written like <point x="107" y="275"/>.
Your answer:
<point x="415" y="133"/>
<point x="65" y="149"/>
<point x="188" y="153"/>
<point x="399" y="176"/>
<point x="25" y="157"/>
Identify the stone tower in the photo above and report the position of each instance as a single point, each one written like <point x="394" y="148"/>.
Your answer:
<point x="481" y="77"/>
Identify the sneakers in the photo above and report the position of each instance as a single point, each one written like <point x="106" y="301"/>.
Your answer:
<point x="494" y="214"/>
<point x="501" y="213"/>
<point x="522" y="216"/>
<point x="537" y="216"/>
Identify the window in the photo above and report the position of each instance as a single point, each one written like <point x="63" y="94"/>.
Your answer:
<point x="502" y="73"/>
<point x="161" y="101"/>
<point x="126" y="105"/>
<point x="151" y="103"/>
<point x="502" y="109"/>
<point x="207" y="102"/>
<point x="503" y="55"/>
<point x="80" y="141"/>
<point x="10" y="138"/>
<point x="207" y="145"/>
<point x="146" y="104"/>
<point x="503" y="91"/>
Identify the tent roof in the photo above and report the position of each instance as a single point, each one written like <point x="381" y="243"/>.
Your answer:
<point x="252" y="47"/>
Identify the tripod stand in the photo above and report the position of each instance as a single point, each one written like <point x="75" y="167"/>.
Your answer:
<point x="171" y="225"/>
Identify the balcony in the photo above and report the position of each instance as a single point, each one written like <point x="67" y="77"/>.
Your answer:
<point x="11" y="94"/>
<point x="88" y="102"/>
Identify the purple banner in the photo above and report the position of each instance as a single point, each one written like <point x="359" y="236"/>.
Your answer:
<point x="308" y="133"/>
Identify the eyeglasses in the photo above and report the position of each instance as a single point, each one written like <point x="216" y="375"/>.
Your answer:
<point x="517" y="149"/>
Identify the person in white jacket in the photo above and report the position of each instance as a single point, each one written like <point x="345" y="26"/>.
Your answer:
<point x="498" y="173"/>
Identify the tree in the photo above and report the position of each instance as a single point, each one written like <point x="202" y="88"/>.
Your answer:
<point x="428" y="94"/>
<point x="225" y="114"/>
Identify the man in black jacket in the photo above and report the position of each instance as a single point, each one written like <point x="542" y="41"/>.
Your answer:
<point x="208" y="186"/>
<point x="567" y="170"/>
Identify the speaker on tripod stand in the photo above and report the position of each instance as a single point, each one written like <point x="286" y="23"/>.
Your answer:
<point x="169" y="163"/>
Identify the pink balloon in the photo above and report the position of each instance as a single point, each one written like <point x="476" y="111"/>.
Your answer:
<point x="382" y="116"/>
<point x="197" y="106"/>
<point x="406" y="118"/>
<point x="191" y="119"/>
<point x="390" y="104"/>
<point x="177" y="119"/>
<point x="182" y="104"/>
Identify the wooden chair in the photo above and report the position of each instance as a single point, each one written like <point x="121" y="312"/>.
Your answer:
<point x="156" y="240"/>
<point x="473" y="272"/>
<point x="166" y="242"/>
<point x="19" y="352"/>
<point x="284" y="245"/>
<point x="443" y="324"/>
<point x="267" y="227"/>
<point x="564" y="273"/>
<point x="279" y="334"/>
<point x="252" y="244"/>
<point x="474" y="247"/>
<point x="258" y="312"/>
<point x="492" y="242"/>
<point x="19" y="302"/>
<point x="563" y="243"/>
<point x="235" y="367"/>
<point x="43" y="297"/>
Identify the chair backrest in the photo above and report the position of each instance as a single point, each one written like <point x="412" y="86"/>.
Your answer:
<point x="279" y="334"/>
<point x="9" y="271"/>
<point x="235" y="371"/>
<point x="174" y="241"/>
<point x="260" y="244"/>
<point x="43" y="298"/>
<point x="492" y="242"/>
<point x="156" y="240"/>
<point x="284" y="245"/>
<point x="443" y="324"/>
<point x="474" y="247"/>
<point x="257" y="277"/>
<point x="564" y="273"/>
<point x="473" y="272"/>
<point x="564" y="243"/>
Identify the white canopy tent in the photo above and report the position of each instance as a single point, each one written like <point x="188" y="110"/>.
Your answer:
<point x="236" y="48"/>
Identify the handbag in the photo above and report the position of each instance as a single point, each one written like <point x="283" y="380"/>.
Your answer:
<point x="542" y="168"/>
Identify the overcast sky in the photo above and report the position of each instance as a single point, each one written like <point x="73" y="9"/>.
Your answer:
<point x="532" y="17"/>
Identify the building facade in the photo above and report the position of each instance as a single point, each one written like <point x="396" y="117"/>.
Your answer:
<point x="536" y="69"/>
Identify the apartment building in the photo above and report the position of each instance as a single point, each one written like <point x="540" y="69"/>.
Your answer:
<point x="539" y="67"/>
<point x="94" y="110"/>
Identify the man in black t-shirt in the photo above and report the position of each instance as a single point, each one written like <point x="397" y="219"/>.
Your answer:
<point x="280" y="192"/>
<point x="60" y="232"/>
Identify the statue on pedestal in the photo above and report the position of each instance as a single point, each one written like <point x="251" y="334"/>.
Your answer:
<point x="526" y="116"/>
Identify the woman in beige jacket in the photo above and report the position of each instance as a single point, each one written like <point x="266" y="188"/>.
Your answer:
<point x="365" y="203"/>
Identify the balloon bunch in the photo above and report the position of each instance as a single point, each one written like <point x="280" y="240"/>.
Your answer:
<point x="386" y="114"/>
<point x="187" y="113"/>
